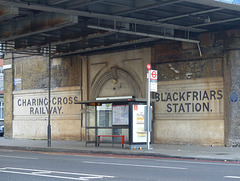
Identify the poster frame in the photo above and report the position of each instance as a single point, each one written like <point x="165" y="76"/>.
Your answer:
<point x="131" y="126"/>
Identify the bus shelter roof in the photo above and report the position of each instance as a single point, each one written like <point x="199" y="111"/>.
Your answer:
<point x="113" y="101"/>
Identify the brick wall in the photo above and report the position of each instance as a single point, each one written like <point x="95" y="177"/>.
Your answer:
<point x="32" y="72"/>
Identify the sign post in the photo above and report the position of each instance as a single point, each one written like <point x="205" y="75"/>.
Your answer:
<point x="148" y="105"/>
<point x="151" y="87"/>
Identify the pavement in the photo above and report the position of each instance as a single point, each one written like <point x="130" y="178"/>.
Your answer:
<point x="214" y="153"/>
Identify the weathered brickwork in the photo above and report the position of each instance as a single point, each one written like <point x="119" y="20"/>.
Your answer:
<point x="26" y="87"/>
<point x="185" y="69"/>
<point x="189" y="69"/>
<point x="182" y="61"/>
<point x="67" y="73"/>
<point x="33" y="72"/>
<point x="8" y="105"/>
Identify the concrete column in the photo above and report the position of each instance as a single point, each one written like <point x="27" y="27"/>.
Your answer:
<point x="231" y="77"/>
<point x="8" y="96"/>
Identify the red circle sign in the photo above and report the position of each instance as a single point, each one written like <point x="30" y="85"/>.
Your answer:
<point x="154" y="74"/>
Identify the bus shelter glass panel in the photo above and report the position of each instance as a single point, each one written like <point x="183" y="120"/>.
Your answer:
<point x="104" y="115"/>
<point x="104" y="121"/>
<point x="120" y="115"/>
<point x="90" y="124"/>
<point x="121" y="122"/>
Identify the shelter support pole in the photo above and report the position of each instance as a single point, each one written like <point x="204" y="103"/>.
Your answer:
<point x="96" y="127"/>
<point x="49" y="98"/>
<point x="86" y="124"/>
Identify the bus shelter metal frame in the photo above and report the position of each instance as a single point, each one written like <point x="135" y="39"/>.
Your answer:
<point x="96" y="103"/>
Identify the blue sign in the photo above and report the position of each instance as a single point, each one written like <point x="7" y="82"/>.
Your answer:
<point x="233" y="97"/>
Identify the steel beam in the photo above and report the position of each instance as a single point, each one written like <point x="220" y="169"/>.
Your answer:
<point x="43" y="22"/>
<point x="7" y="12"/>
<point x="97" y="15"/>
<point x="77" y="4"/>
<point x="143" y="34"/>
<point x="54" y="2"/>
<point x="67" y="41"/>
<point x="115" y="45"/>
<point x="216" y="22"/>
<point x="157" y="5"/>
<point x="190" y="14"/>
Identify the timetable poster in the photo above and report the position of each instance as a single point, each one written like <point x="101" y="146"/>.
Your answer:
<point x="120" y="114"/>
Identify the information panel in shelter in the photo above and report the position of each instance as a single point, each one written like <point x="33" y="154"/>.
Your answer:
<point x="120" y="114"/>
<point x="139" y="135"/>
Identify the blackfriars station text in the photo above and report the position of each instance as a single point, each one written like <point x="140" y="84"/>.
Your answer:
<point x="188" y="101"/>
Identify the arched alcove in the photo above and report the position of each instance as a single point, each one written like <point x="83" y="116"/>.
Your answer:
<point x="115" y="82"/>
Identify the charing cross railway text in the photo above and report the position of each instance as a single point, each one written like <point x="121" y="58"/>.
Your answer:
<point x="40" y="105"/>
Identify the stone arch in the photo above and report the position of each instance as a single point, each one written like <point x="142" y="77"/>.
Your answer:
<point x="115" y="82"/>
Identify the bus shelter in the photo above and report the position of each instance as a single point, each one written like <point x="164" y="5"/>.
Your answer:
<point x="116" y="120"/>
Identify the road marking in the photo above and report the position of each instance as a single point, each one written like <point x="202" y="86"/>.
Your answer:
<point x="134" y="165"/>
<point x="29" y="158"/>
<point x="234" y="177"/>
<point x="198" y="162"/>
<point x="53" y="174"/>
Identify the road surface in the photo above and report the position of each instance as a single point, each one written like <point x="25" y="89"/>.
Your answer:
<point x="36" y="166"/>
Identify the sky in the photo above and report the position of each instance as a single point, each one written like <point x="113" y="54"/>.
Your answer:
<point x="230" y="1"/>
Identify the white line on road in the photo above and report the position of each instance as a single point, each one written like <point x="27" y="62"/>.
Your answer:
<point x="134" y="165"/>
<point x="29" y="158"/>
<point x="234" y="177"/>
<point x="200" y="163"/>
<point x="53" y="174"/>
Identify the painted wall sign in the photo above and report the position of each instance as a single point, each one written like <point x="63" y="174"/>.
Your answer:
<point x="39" y="105"/>
<point x="31" y="113"/>
<point x="190" y="111"/>
<point x="62" y="103"/>
<point x="189" y="101"/>
<point x="189" y="97"/>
